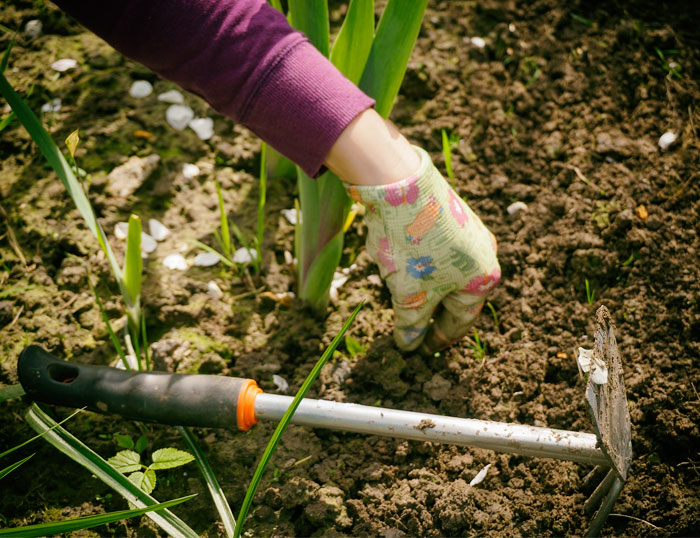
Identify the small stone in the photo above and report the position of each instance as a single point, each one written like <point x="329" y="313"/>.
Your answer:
<point x="204" y="127"/>
<point x="33" y="28"/>
<point x="206" y="259"/>
<point x="667" y="139"/>
<point x="375" y="280"/>
<point x="172" y="96"/>
<point x="140" y="88"/>
<point x="179" y="116"/>
<point x="243" y="255"/>
<point x="157" y="230"/>
<point x="516" y="207"/>
<point x="438" y="388"/>
<point x="642" y="212"/>
<point x="125" y="179"/>
<point x="288" y="258"/>
<point x="190" y="170"/>
<point x="121" y="230"/>
<point x="175" y="262"/>
<point x="290" y="215"/>
<point x="148" y="244"/>
<point x="478" y="42"/>
<point x="52" y="106"/>
<point x="213" y="290"/>
<point x="64" y="64"/>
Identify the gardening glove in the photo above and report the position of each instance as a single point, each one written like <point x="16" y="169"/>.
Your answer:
<point x="435" y="255"/>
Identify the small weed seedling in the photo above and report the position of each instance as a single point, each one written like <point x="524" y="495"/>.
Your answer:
<point x="590" y="294"/>
<point x="673" y="69"/>
<point x="449" y="142"/>
<point x="479" y="347"/>
<point x="493" y="315"/>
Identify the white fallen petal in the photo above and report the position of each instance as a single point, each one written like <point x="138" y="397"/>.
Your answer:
<point x="516" y="207"/>
<point x="175" y="262"/>
<point x="280" y="382"/>
<point x="64" y="64"/>
<point x="478" y="42"/>
<point x="52" y="106"/>
<point x="121" y="230"/>
<point x="140" y="88"/>
<point x="190" y="170"/>
<point x="157" y="230"/>
<point x="290" y="215"/>
<point x="206" y="259"/>
<point x="585" y="358"/>
<point x="288" y="258"/>
<point x="479" y="478"/>
<point x="338" y="280"/>
<point x="599" y="374"/>
<point x="33" y="28"/>
<point x="172" y="96"/>
<point x="243" y="255"/>
<point x="213" y="290"/>
<point x="204" y="127"/>
<point x="179" y="116"/>
<point x="667" y="139"/>
<point x="131" y="361"/>
<point x="148" y="244"/>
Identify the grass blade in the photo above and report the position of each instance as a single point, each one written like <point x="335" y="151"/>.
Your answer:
<point x="9" y="451"/>
<point x="7" y="470"/>
<point x="215" y="490"/>
<point x="11" y="392"/>
<point x="354" y="41"/>
<point x="311" y="17"/>
<point x="447" y="154"/>
<point x="79" y="523"/>
<point x="261" y="204"/>
<point x="110" y="331"/>
<point x="206" y="247"/>
<point x="58" y="162"/>
<point x="396" y="35"/>
<point x="93" y="462"/>
<point x="133" y="263"/>
<point x="225" y="234"/>
<point x="265" y="459"/>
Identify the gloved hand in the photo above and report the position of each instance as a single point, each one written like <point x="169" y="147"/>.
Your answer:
<point x="434" y="253"/>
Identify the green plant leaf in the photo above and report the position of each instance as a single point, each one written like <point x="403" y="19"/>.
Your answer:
<point x="78" y="452"/>
<point x="141" y="443"/>
<point x="206" y="247"/>
<point x="11" y="392"/>
<point x="217" y="494"/>
<point x="447" y="154"/>
<point x="354" y="41"/>
<point x="145" y="481"/>
<point x="261" y="204"/>
<point x="317" y="281"/>
<point x="125" y="441"/>
<point x="72" y="141"/>
<point x="133" y="263"/>
<point x="6" y="56"/>
<point x="396" y="35"/>
<point x="12" y="291"/>
<point x="86" y="522"/>
<point x="311" y="17"/>
<point x="167" y="458"/>
<point x="354" y="346"/>
<point x="282" y="426"/>
<point x="10" y="450"/>
<point x="7" y="470"/>
<point x="225" y="234"/>
<point x="126" y="461"/>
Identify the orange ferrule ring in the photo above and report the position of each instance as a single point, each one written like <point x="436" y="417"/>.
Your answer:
<point x="245" y="409"/>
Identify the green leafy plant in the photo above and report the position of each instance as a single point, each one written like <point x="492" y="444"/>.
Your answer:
<point x="284" y="422"/>
<point x="354" y="346"/>
<point x="673" y="69"/>
<point x="376" y="61"/>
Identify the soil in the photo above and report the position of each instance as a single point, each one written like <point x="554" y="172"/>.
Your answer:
<point x="561" y="109"/>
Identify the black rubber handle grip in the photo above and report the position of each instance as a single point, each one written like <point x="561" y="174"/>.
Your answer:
<point x="177" y="399"/>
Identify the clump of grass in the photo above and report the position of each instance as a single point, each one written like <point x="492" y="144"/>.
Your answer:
<point x="478" y="347"/>
<point x="590" y="293"/>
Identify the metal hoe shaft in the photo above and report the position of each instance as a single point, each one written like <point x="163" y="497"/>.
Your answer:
<point x="499" y="436"/>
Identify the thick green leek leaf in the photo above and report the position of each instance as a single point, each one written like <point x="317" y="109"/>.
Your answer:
<point x="311" y="17"/>
<point x="354" y="41"/>
<point x="133" y="264"/>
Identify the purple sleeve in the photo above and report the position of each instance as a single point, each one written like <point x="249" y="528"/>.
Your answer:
<point x="243" y="58"/>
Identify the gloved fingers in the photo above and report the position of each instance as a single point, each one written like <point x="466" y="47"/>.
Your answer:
<point x="453" y="322"/>
<point x="411" y="319"/>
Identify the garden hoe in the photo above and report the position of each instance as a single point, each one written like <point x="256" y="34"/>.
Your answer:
<point x="218" y="401"/>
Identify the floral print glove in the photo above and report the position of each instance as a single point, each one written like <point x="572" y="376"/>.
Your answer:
<point x="436" y="257"/>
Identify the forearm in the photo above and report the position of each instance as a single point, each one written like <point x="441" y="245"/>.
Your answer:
<point x="244" y="59"/>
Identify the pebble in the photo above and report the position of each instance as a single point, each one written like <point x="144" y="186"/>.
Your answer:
<point x="52" y="106"/>
<point x="175" y="262"/>
<point x="121" y="230"/>
<point x="190" y="170"/>
<point x="172" y="96"/>
<point x="478" y="42"/>
<point x="206" y="259"/>
<point x="516" y="207"/>
<point x="140" y="88"/>
<point x="203" y="127"/>
<point x="290" y="215"/>
<point x="157" y="230"/>
<point x="668" y="138"/>
<point x="64" y="64"/>
<point x="33" y="28"/>
<point x="213" y="290"/>
<point x="148" y="244"/>
<point x="243" y="255"/>
<point x="179" y="116"/>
